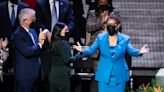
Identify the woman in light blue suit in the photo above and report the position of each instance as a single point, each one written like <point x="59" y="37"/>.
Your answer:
<point x="112" y="71"/>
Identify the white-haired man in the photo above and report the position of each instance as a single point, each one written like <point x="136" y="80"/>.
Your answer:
<point x="27" y="47"/>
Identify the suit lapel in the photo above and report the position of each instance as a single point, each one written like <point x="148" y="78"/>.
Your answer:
<point x="18" y="11"/>
<point x="61" y="9"/>
<point x="119" y="38"/>
<point x="119" y="46"/>
<point x="106" y="47"/>
<point x="34" y="35"/>
<point x="27" y="35"/>
<point x="46" y="8"/>
<point x="6" y="11"/>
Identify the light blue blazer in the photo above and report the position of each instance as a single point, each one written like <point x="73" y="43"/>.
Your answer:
<point x="114" y="63"/>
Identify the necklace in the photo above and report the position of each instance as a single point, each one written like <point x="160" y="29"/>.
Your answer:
<point x="112" y="40"/>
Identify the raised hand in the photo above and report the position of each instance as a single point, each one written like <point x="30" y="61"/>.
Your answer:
<point x="144" y="49"/>
<point x="48" y="34"/>
<point x="78" y="47"/>
<point x="104" y="16"/>
<point x="42" y="37"/>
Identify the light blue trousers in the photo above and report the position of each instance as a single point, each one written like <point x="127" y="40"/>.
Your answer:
<point x="111" y="87"/>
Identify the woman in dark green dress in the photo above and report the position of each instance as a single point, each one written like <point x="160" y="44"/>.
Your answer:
<point x="60" y="50"/>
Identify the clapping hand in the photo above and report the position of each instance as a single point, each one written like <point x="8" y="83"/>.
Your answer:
<point x="42" y="37"/>
<point x="144" y="49"/>
<point x="48" y="34"/>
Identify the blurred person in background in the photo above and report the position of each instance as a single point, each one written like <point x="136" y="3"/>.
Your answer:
<point x="1" y="1"/>
<point x="9" y="10"/>
<point x="3" y="55"/>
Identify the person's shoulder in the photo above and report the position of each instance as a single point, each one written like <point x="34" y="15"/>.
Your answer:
<point x="123" y="36"/>
<point x="41" y="1"/>
<point x="102" y="35"/>
<point x="18" y="30"/>
<point x="64" y="44"/>
<point x="2" y="4"/>
<point x="23" y="4"/>
<point x="17" y="33"/>
<point x="65" y="2"/>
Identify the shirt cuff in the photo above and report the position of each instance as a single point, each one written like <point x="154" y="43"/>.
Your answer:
<point x="40" y="45"/>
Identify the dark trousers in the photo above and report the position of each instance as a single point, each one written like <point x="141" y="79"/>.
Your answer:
<point x="43" y="84"/>
<point x="59" y="86"/>
<point x="26" y="86"/>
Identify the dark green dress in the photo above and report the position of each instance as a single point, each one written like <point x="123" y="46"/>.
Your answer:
<point x="59" y="73"/>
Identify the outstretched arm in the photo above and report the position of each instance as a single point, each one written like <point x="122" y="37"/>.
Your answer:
<point x="136" y="52"/>
<point x="144" y="49"/>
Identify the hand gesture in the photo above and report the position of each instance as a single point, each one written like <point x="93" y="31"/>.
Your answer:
<point x="48" y="34"/>
<point x="144" y="49"/>
<point x="104" y="16"/>
<point x="42" y="37"/>
<point x="78" y="47"/>
<point x="5" y="43"/>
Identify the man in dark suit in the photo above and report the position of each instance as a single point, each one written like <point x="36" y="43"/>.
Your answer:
<point x="9" y="23"/>
<point x="7" y="28"/>
<point x="45" y="12"/>
<point x="1" y="1"/>
<point x="27" y="47"/>
<point x="64" y="13"/>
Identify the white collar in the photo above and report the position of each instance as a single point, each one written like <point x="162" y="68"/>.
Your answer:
<point x="9" y="3"/>
<point x="25" y="28"/>
<point x="52" y="1"/>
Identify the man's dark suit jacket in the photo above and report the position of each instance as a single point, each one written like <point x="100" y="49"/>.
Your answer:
<point x="43" y="18"/>
<point x="6" y="28"/>
<point x="26" y="54"/>
<point x="43" y="13"/>
<point x="1" y="1"/>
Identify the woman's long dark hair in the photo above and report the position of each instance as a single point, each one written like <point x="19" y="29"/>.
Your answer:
<point x="56" y="38"/>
